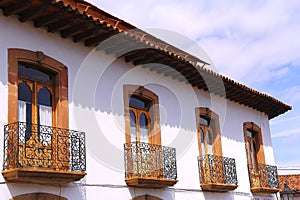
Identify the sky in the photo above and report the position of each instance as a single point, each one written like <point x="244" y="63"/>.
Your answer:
<point x="256" y="43"/>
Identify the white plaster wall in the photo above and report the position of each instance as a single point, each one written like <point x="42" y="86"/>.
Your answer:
<point x="96" y="106"/>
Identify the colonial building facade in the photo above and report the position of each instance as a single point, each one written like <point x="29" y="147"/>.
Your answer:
<point x="94" y="108"/>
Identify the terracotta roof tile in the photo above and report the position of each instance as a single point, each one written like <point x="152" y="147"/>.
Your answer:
<point x="292" y="180"/>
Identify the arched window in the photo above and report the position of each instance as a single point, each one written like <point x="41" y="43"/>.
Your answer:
<point x="141" y="115"/>
<point x="37" y="196"/>
<point x="254" y="145"/>
<point x="41" y="85"/>
<point x="209" y="139"/>
<point x="35" y="97"/>
<point x="146" y="197"/>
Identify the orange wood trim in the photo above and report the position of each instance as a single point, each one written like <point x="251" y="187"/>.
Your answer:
<point x="38" y="59"/>
<point x="155" y="134"/>
<point x="38" y="196"/>
<point x="217" y="143"/>
<point x="146" y="197"/>
<point x="260" y="155"/>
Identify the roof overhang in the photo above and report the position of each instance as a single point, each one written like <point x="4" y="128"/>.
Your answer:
<point x="89" y="25"/>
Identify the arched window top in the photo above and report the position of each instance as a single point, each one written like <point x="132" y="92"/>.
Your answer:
<point x="24" y="92"/>
<point x="141" y="93"/>
<point x="254" y="143"/>
<point x="209" y="137"/>
<point x="37" y="196"/>
<point x="33" y="73"/>
<point x="25" y="64"/>
<point x="252" y="127"/>
<point x="141" y="104"/>
<point x="146" y="197"/>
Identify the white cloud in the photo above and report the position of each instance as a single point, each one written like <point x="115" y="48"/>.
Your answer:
<point x="248" y="41"/>
<point x="292" y="94"/>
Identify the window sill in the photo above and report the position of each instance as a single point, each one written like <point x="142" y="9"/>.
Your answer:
<point x="218" y="187"/>
<point x="148" y="182"/>
<point x="41" y="175"/>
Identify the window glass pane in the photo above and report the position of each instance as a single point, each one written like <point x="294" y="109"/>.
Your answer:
<point x="132" y="126"/>
<point x="209" y="142"/>
<point x="253" y="154"/>
<point x="202" y="141"/>
<point x="202" y="136"/>
<point x="137" y="103"/>
<point x="143" y="128"/>
<point x="44" y="97"/>
<point x="208" y="137"/>
<point x="44" y="107"/>
<point x="25" y="109"/>
<point x="204" y="121"/>
<point x="251" y="134"/>
<point x="24" y="92"/>
<point x="24" y="103"/>
<point x="33" y="73"/>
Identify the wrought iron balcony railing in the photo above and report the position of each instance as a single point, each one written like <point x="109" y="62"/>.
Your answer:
<point x="217" y="173"/>
<point x="30" y="146"/>
<point x="150" y="161"/>
<point x="263" y="178"/>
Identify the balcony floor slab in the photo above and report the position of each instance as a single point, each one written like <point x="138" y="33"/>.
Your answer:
<point x="41" y="175"/>
<point x="149" y="182"/>
<point x="264" y="190"/>
<point x="218" y="187"/>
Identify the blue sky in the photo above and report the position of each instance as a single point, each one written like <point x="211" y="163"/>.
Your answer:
<point x="256" y="43"/>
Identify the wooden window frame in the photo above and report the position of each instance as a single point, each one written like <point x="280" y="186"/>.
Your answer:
<point x="37" y="196"/>
<point x="260" y="155"/>
<point x="146" y="197"/>
<point x="140" y="91"/>
<point x="45" y="63"/>
<point x="216" y="143"/>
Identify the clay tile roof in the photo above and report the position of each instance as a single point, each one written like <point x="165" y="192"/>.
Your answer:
<point x="292" y="180"/>
<point x="87" y="24"/>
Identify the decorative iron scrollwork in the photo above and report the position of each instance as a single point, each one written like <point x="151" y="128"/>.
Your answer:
<point x="263" y="175"/>
<point x="30" y="145"/>
<point x="149" y="160"/>
<point x="217" y="169"/>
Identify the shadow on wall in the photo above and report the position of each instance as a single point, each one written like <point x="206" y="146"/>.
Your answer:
<point x="98" y="88"/>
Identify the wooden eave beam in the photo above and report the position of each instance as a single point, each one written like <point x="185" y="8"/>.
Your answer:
<point x="141" y="61"/>
<point x="48" y="19"/>
<point x="97" y="39"/>
<point x="4" y="2"/>
<point x="147" y="58"/>
<point x="197" y="78"/>
<point x="60" y="25"/>
<point x="32" y="14"/>
<point x="74" y="29"/>
<point x="183" y="71"/>
<point x="16" y="8"/>
<point x="199" y="83"/>
<point x="85" y="35"/>
<point x="136" y="54"/>
<point x="189" y="75"/>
